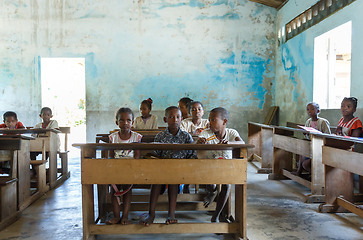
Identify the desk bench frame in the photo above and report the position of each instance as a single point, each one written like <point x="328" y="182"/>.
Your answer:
<point x="147" y="171"/>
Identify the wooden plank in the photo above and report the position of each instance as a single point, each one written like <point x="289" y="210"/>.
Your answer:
<point x="254" y="138"/>
<point x="343" y="159"/>
<point x="317" y="166"/>
<point x="88" y="214"/>
<point x="273" y="110"/>
<point x="267" y="148"/>
<point x="350" y="206"/>
<point x="164" y="206"/>
<point x="97" y="229"/>
<point x="294" y="145"/>
<point x="10" y="143"/>
<point x="160" y="171"/>
<point x="23" y="174"/>
<point x="297" y="179"/>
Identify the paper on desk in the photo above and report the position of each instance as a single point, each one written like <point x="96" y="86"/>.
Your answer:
<point x="309" y="129"/>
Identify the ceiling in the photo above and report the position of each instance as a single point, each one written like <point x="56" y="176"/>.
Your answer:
<point x="272" y="3"/>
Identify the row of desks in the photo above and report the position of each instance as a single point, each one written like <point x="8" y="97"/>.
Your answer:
<point x="332" y="162"/>
<point x="103" y="171"/>
<point x="15" y="148"/>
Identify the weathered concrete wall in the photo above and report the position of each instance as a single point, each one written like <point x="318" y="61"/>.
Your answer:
<point x="295" y="61"/>
<point x="216" y="51"/>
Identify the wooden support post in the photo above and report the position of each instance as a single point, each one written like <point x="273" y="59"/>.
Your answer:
<point x="88" y="210"/>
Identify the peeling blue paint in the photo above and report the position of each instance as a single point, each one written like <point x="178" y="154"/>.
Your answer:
<point x="191" y="3"/>
<point x="229" y="60"/>
<point x="290" y="67"/>
<point x="24" y="5"/>
<point x="230" y="15"/>
<point x="91" y="68"/>
<point x="92" y="14"/>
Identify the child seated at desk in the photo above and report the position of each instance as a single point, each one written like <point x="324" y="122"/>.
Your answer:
<point x="47" y="123"/>
<point x="218" y="134"/>
<point x="184" y="106"/>
<point x="195" y="124"/>
<point x="11" y="121"/>
<point x="321" y="124"/>
<point x="172" y="134"/>
<point x="349" y="125"/>
<point x="124" y="119"/>
<point x="146" y="120"/>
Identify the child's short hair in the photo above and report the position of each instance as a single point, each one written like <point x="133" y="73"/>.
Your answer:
<point x="10" y="114"/>
<point x="186" y="101"/>
<point x="194" y="102"/>
<point x="316" y="105"/>
<point x="222" y="111"/>
<point x="126" y="110"/>
<point x="148" y="102"/>
<point x="46" y="109"/>
<point x="353" y="100"/>
<point x="168" y="109"/>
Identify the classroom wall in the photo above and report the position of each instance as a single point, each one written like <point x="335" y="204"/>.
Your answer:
<point x="295" y="61"/>
<point x="216" y="51"/>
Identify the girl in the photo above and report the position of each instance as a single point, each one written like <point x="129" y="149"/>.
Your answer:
<point x="184" y="106"/>
<point x="195" y="124"/>
<point x="146" y="120"/>
<point x="349" y="125"/>
<point x="321" y="124"/>
<point x="124" y="119"/>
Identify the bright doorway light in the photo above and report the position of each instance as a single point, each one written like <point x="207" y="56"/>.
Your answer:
<point x="63" y="90"/>
<point x="332" y="61"/>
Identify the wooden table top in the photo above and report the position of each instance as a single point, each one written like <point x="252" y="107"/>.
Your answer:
<point x="160" y="146"/>
<point x="23" y="131"/>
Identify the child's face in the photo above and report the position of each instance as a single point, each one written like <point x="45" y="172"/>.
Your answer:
<point x="216" y="123"/>
<point x="46" y="116"/>
<point x="197" y="111"/>
<point x="311" y="110"/>
<point x="125" y="121"/>
<point x="11" y="122"/>
<point x="144" y="110"/>
<point x="347" y="108"/>
<point x="173" y="118"/>
<point x="183" y="108"/>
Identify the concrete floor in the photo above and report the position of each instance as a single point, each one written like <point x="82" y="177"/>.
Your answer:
<point x="275" y="211"/>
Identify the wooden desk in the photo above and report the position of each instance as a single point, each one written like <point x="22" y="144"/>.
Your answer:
<point x="340" y="165"/>
<point x="16" y="150"/>
<point x="163" y="171"/>
<point x="285" y="144"/>
<point x="260" y="135"/>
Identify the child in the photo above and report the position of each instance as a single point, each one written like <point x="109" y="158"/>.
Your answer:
<point x="11" y="121"/>
<point x="124" y="119"/>
<point x="321" y="124"/>
<point x="172" y="134"/>
<point x="46" y="115"/>
<point x="184" y="106"/>
<point x="195" y="124"/>
<point x="146" y="120"/>
<point x="349" y="125"/>
<point x="218" y="134"/>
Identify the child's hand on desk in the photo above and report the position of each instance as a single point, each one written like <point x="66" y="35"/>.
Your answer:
<point x="202" y="141"/>
<point x="223" y="142"/>
<point x="339" y="131"/>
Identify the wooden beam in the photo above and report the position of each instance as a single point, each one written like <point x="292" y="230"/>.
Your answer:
<point x="294" y="145"/>
<point x="350" y="206"/>
<point x="270" y="3"/>
<point x="164" y="171"/>
<point x="96" y="229"/>
<point x="300" y="180"/>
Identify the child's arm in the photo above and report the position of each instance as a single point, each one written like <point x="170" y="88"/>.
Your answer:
<point x="20" y="125"/>
<point x="155" y="123"/>
<point x="325" y="127"/>
<point x="356" y="132"/>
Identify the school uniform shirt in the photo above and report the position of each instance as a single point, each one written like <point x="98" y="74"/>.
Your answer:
<point x="230" y="136"/>
<point x="181" y="137"/>
<point x="150" y="123"/>
<point x="188" y="125"/>
<point x="322" y="125"/>
<point x="349" y="126"/>
<point x="115" y="138"/>
<point x="17" y="126"/>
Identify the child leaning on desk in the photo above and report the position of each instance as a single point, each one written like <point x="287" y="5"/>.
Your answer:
<point x="11" y="121"/>
<point x="321" y="124"/>
<point x="124" y="119"/>
<point x="172" y="134"/>
<point x="218" y="134"/>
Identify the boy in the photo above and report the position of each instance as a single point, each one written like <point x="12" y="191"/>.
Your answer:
<point x="218" y="134"/>
<point x="11" y="121"/>
<point x="172" y="134"/>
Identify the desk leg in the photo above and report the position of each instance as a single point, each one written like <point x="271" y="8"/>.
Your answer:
<point x="53" y="169"/>
<point x="267" y="151"/>
<point x="23" y="175"/>
<point x="337" y="183"/>
<point x="317" y="171"/>
<point x="281" y="160"/>
<point x="87" y="210"/>
<point x="241" y="210"/>
<point x="102" y="192"/>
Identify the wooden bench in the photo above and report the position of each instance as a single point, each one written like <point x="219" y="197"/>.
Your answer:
<point x="340" y="164"/>
<point x="260" y="135"/>
<point x="285" y="144"/>
<point x="8" y="201"/>
<point x="174" y="171"/>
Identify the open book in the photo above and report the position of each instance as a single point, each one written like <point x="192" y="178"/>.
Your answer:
<point x="309" y="129"/>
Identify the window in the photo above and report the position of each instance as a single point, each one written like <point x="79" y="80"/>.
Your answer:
<point x="332" y="55"/>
